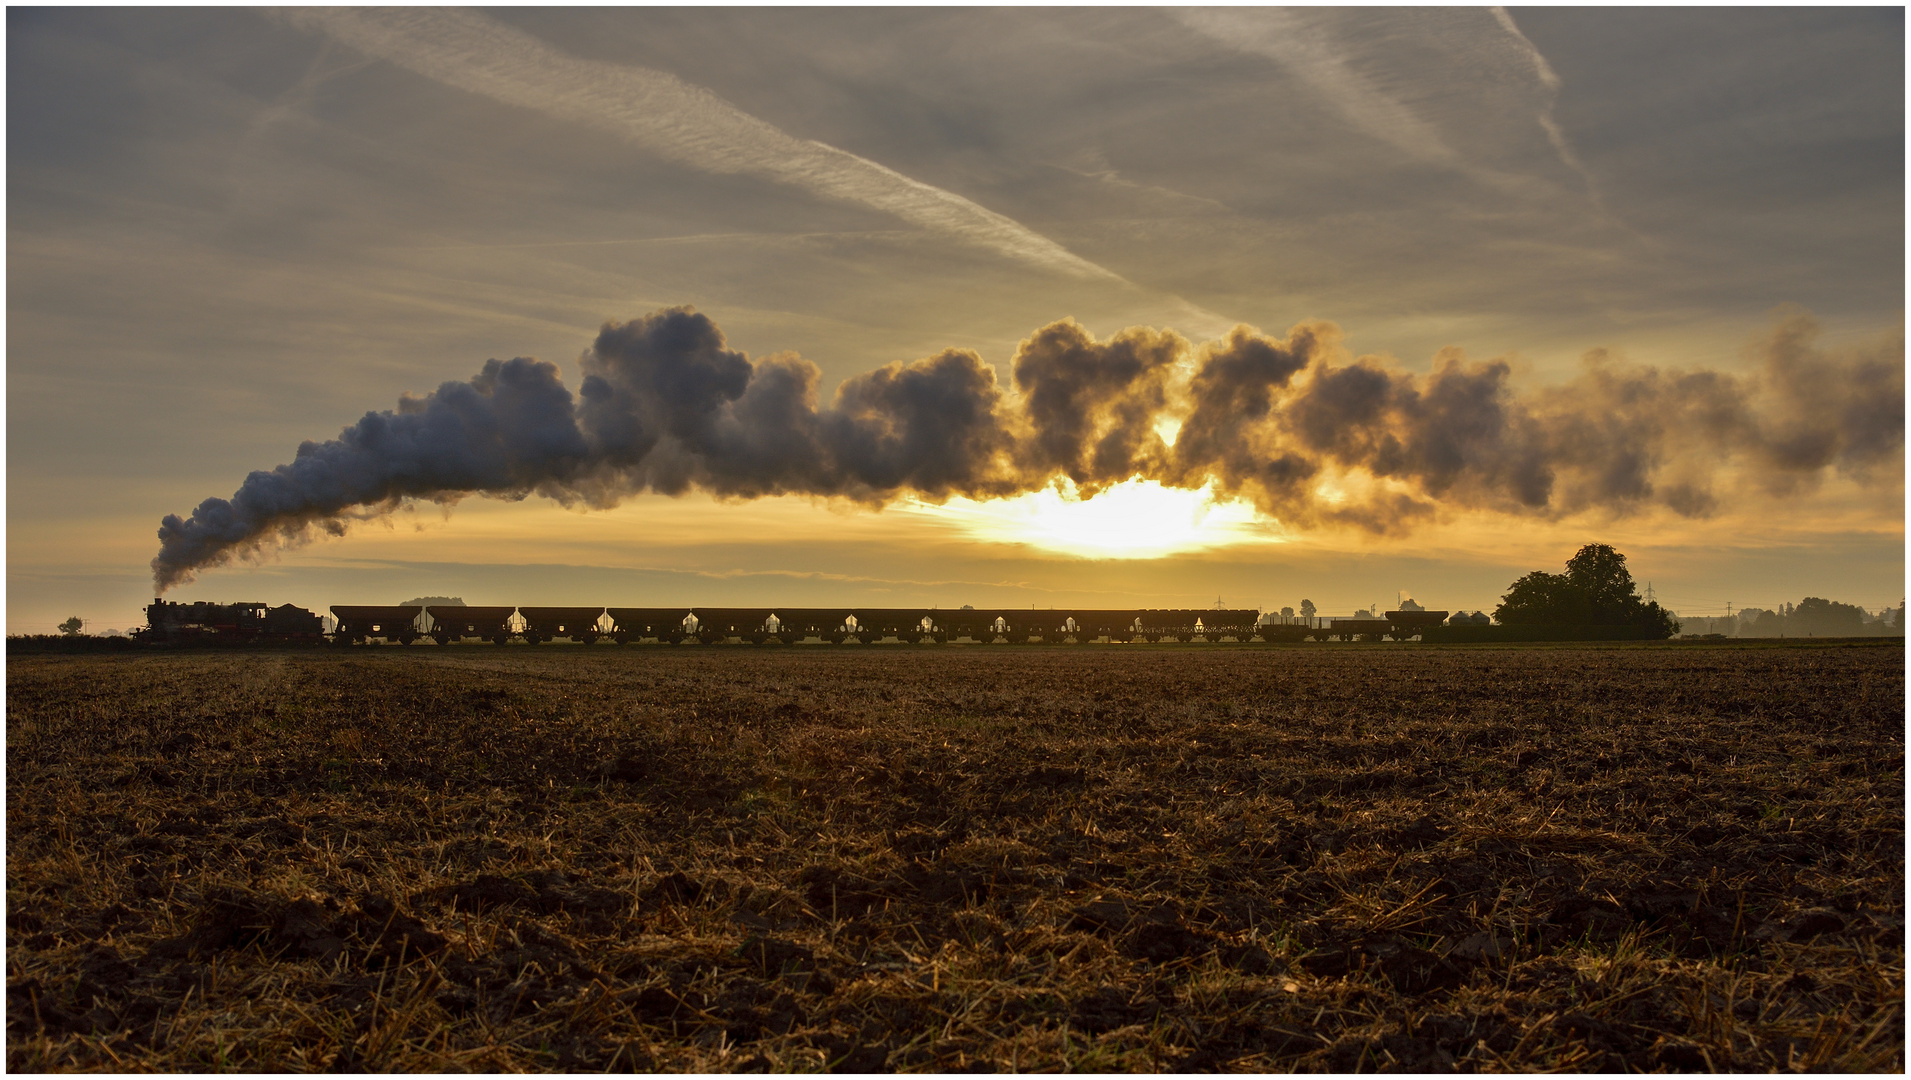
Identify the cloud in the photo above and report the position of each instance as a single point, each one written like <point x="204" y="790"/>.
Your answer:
<point x="669" y="117"/>
<point x="1435" y="84"/>
<point x="1313" y="437"/>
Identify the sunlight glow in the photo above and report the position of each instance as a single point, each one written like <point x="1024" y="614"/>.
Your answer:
<point x="1136" y="519"/>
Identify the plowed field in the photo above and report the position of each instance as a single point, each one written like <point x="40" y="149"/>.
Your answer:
<point x="1098" y="857"/>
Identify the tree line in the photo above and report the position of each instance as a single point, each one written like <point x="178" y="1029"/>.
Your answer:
<point x="1597" y="590"/>
<point x="1817" y="617"/>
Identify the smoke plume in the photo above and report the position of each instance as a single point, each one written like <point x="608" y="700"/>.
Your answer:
<point x="1313" y="436"/>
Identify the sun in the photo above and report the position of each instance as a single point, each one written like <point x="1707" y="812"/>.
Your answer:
<point x="1136" y="519"/>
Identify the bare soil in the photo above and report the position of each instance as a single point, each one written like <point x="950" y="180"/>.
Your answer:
<point x="1232" y="857"/>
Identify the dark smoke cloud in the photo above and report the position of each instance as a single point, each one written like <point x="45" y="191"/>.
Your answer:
<point x="509" y="431"/>
<point x="1089" y="408"/>
<point x="666" y="406"/>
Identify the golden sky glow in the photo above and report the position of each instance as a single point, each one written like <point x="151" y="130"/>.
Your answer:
<point x="1138" y="519"/>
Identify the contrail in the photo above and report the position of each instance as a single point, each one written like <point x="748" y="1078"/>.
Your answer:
<point x="1281" y="36"/>
<point x="1308" y="48"/>
<point x="1550" y="79"/>
<point x="665" y="405"/>
<point x="669" y="117"/>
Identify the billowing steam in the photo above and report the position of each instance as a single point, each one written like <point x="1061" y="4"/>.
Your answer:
<point x="1312" y="436"/>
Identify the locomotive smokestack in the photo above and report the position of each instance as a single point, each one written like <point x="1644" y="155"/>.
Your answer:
<point x="666" y="405"/>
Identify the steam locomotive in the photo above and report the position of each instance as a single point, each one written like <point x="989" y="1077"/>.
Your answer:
<point x="243" y="624"/>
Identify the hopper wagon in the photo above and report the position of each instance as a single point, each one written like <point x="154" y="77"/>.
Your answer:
<point x="449" y="624"/>
<point x="1053" y="624"/>
<point x="362" y="622"/>
<point x="1287" y="631"/>
<point x="665" y="624"/>
<point x="550" y="623"/>
<point x="1016" y="626"/>
<point x="1355" y="628"/>
<point x="827" y="624"/>
<point x="1212" y="624"/>
<point x="874" y="624"/>
<point x="719" y="624"/>
<point x="803" y="624"/>
<point x="1408" y="624"/>
<point x="1077" y="624"/>
<point x="1240" y="624"/>
<point x="1117" y="624"/>
<point x="794" y="624"/>
<point x="976" y="624"/>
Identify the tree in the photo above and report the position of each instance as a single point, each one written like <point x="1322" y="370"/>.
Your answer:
<point x="1307" y="609"/>
<point x="72" y="626"/>
<point x="1541" y="598"/>
<point x="1287" y="613"/>
<point x="1595" y="590"/>
<point x="1600" y="572"/>
<point x="1819" y="617"/>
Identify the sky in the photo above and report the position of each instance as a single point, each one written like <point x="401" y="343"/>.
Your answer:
<point x="1093" y="307"/>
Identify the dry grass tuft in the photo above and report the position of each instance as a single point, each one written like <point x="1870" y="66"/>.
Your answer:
<point x="1096" y="858"/>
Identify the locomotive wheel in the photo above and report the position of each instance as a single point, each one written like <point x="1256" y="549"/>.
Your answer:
<point x="442" y="639"/>
<point x="500" y="638"/>
<point x="589" y="639"/>
<point x="621" y="638"/>
<point x="789" y="637"/>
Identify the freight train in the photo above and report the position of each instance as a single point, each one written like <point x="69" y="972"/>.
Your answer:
<point x="449" y="624"/>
